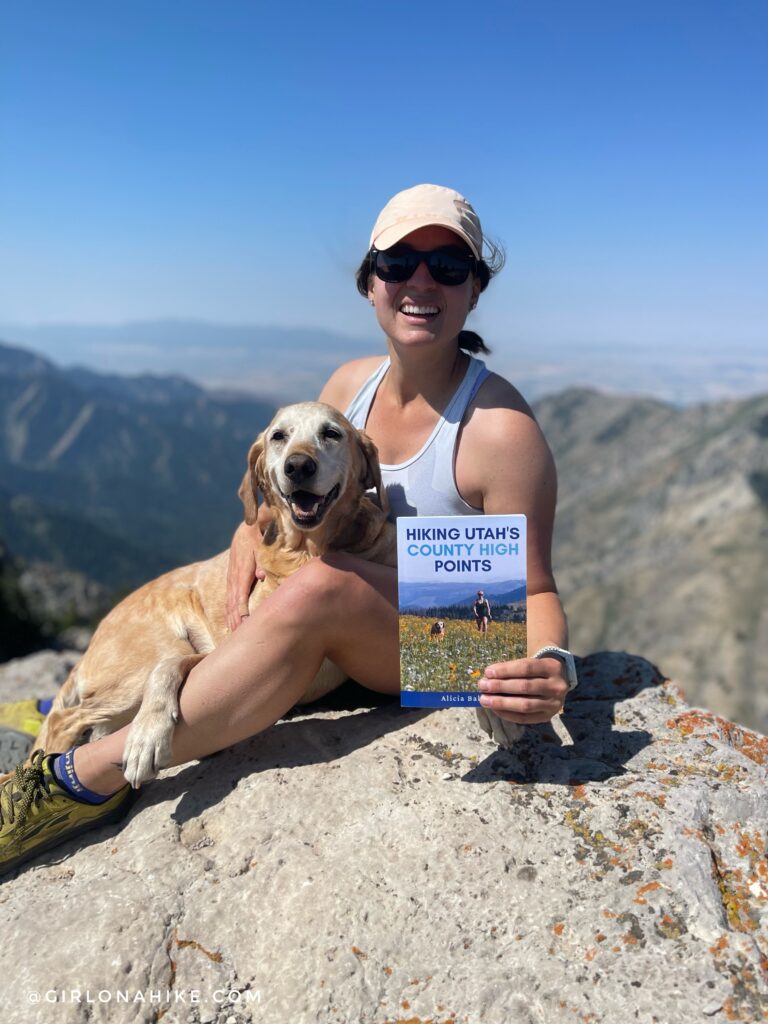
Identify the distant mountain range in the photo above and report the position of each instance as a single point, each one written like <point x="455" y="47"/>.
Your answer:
<point x="291" y="364"/>
<point x="415" y="597"/>
<point x="287" y="364"/>
<point x="120" y="478"/>
<point x="661" y="542"/>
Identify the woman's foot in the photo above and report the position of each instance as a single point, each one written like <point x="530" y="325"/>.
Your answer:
<point x="37" y="813"/>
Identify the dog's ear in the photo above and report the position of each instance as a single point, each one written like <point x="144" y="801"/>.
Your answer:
<point x="253" y="481"/>
<point x="371" y="474"/>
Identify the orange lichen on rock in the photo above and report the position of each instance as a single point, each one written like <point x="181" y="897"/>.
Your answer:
<point x="191" y="944"/>
<point x="752" y="847"/>
<point x="696" y="833"/>
<point x="746" y="742"/>
<point x="649" y="887"/>
<point x="420" y="1020"/>
<point x="558" y="928"/>
<point x="655" y="798"/>
<point x="729" y="1009"/>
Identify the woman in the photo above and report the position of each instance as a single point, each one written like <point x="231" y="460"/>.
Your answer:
<point x="444" y="428"/>
<point x="482" y="610"/>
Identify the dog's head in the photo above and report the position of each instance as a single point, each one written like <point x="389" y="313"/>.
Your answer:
<point x="310" y="460"/>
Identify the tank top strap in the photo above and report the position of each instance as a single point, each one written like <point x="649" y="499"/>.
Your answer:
<point x="425" y="483"/>
<point x="451" y="419"/>
<point x="358" y="409"/>
<point x="443" y="478"/>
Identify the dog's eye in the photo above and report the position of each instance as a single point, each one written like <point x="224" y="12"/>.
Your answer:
<point x="278" y="435"/>
<point x="331" y="434"/>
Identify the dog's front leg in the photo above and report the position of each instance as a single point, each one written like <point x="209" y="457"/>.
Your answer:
<point x="150" y="738"/>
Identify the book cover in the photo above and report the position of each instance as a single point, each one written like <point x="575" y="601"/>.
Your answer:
<point x="462" y="598"/>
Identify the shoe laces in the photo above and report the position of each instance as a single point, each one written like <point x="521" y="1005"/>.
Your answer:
<point x="19" y="793"/>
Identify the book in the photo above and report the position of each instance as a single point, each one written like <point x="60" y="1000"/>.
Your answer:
<point x="462" y="600"/>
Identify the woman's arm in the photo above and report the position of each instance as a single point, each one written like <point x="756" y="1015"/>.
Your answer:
<point x="243" y="569"/>
<point x="518" y="475"/>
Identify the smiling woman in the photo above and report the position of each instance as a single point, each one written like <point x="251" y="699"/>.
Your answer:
<point x="465" y="252"/>
<point x="452" y="438"/>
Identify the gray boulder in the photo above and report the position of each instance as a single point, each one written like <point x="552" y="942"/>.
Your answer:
<point x="379" y="865"/>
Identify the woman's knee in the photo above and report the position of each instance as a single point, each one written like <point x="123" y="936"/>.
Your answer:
<point x="339" y="585"/>
<point x="316" y="591"/>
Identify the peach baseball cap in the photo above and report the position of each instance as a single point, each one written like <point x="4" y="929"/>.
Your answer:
<point x="422" y="206"/>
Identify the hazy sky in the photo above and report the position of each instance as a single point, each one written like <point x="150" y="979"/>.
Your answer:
<point x="225" y="159"/>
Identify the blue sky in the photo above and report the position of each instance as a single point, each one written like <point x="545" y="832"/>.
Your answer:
<point x="225" y="160"/>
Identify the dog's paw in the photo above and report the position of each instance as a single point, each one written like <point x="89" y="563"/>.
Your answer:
<point x="505" y="733"/>
<point x="148" y="747"/>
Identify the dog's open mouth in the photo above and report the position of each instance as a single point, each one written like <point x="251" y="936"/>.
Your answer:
<point x="308" y="509"/>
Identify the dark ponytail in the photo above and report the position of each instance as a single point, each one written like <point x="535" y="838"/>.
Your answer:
<point x="472" y="342"/>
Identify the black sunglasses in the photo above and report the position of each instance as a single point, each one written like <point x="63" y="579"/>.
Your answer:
<point x="448" y="265"/>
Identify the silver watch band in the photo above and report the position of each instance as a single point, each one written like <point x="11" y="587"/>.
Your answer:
<point x="567" y="659"/>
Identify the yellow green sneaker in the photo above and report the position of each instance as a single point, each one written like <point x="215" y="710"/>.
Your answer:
<point x="37" y="813"/>
<point x="20" y="722"/>
<point x="22" y="716"/>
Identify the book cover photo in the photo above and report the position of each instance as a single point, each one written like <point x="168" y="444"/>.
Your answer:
<point x="462" y="599"/>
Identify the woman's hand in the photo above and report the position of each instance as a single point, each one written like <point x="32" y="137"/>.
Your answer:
<point x="526" y="691"/>
<point x="242" y="573"/>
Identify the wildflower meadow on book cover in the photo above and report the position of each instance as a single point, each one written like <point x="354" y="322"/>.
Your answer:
<point x="462" y="598"/>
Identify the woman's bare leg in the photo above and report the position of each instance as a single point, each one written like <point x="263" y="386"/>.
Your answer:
<point x="340" y="607"/>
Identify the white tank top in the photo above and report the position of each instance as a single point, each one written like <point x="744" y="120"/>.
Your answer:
<point x="424" y="485"/>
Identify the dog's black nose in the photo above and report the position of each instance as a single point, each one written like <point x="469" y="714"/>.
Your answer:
<point x="300" y="467"/>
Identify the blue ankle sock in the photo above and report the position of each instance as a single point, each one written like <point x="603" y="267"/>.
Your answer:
<point x="64" y="770"/>
<point x="44" y="706"/>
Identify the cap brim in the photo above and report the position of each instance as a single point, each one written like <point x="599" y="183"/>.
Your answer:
<point x="391" y="236"/>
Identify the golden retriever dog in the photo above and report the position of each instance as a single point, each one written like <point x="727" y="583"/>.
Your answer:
<point x="438" y="630"/>
<point x="313" y="468"/>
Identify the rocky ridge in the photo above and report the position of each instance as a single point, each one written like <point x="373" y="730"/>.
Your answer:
<point x="118" y="478"/>
<point x="376" y="865"/>
<point x="661" y="540"/>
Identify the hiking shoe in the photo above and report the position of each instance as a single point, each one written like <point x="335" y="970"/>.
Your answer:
<point x="37" y="813"/>
<point x="20" y="722"/>
<point x="22" y="716"/>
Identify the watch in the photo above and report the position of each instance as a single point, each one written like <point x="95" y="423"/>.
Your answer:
<point x="567" y="659"/>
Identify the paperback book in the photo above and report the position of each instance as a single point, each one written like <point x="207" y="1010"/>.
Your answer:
<point x="462" y="598"/>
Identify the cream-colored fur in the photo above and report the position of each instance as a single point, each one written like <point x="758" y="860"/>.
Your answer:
<point x="146" y="646"/>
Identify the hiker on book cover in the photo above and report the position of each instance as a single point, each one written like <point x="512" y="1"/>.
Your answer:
<point x="482" y="610"/>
